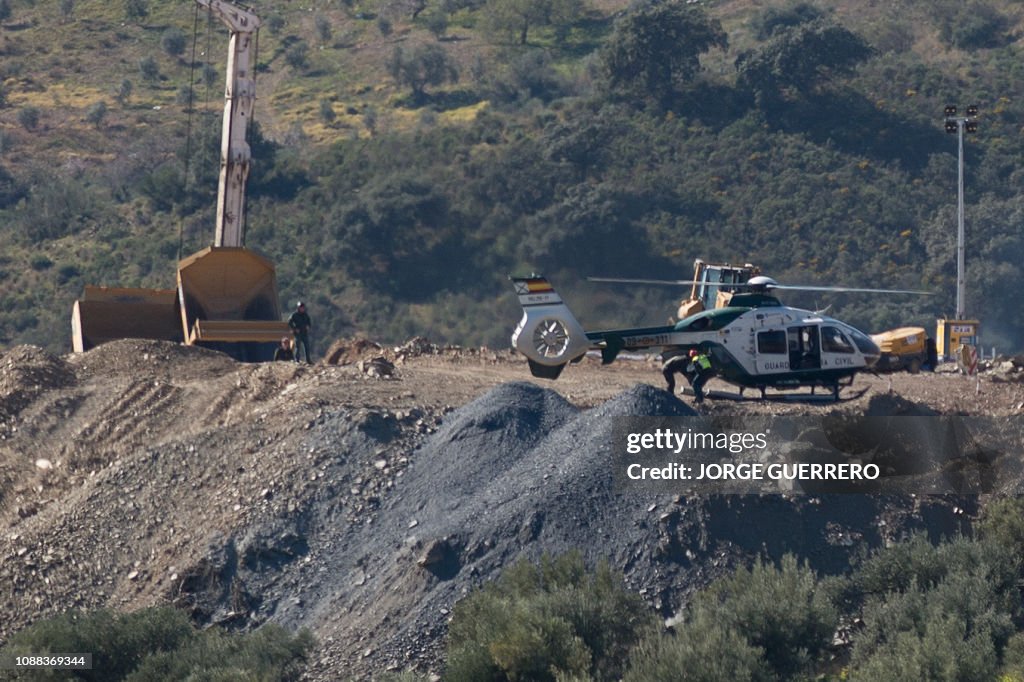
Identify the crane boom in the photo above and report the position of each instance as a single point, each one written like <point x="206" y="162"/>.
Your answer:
<point x="239" y="100"/>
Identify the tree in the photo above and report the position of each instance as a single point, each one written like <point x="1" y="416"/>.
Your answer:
<point x="780" y="18"/>
<point x="801" y="59"/>
<point x="173" y="41"/>
<point x="516" y="17"/>
<point x="28" y="117"/>
<point x="67" y="9"/>
<point x="136" y="10"/>
<point x="424" y="65"/>
<point x="5" y="10"/>
<point x="97" y="113"/>
<point x="124" y="91"/>
<point x="148" y="69"/>
<point x="297" y="56"/>
<point x="656" y="49"/>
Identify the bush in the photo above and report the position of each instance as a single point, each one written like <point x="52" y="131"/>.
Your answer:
<point x="942" y="612"/>
<point x="706" y="649"/>
<point x="149" y="70"/>
<point x="778" y="610"/>
<point x="97" y="114"/>
<point x="173" y="41"/>
<point x="160" y="643"/>
<point x="546" y="622"/>
<point x="297" y="56"/>
<point x="275" y="24"/>
<point x="28" y="117"/>
<point x="323" y="28"/>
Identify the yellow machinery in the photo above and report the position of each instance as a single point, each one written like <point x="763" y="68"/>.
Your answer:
<point x="952" y="334"/>
<point x="107" y="313"/>
<point x="902" y="348"/>
<point x="711" y="286"/>
<point x="226" y="296"/>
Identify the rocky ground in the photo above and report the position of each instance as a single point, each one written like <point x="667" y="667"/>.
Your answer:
<point x="364" y="499"/>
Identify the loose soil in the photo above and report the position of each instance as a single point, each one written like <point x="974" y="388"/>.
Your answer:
<point x="364" y="507"/>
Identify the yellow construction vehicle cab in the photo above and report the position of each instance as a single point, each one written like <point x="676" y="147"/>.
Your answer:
<point x="902" y="348"/>
<point x="711" y="286"/>
<point x="226" y="295"/>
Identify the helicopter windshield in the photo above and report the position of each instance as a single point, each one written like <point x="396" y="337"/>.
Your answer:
<point x="863" y="342"/>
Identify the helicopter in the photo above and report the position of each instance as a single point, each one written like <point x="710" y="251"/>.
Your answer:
<point x="754" y="341"/>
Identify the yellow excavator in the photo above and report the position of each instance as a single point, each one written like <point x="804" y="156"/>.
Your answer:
<point x="226" y="295"/>
<point x="713" y="286"/>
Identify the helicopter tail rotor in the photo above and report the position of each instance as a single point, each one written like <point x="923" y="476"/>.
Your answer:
<point x="548" y="334"/>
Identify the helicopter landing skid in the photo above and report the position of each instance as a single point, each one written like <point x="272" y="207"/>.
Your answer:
<point x="756" y="396"/>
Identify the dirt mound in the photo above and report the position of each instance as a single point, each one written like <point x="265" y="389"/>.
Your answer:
<point x="351" y="351"/>
<point x="885" y="405"/>
<point x="28" y="371"/>
<point x="127" y="356"/>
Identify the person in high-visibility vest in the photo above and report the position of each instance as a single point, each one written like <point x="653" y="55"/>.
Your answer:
<point x="677" y="363"/>
<point x="702" y="372"/>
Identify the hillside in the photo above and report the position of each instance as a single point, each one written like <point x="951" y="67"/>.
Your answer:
<point x="398" y="209"/>
<point x="365" y="508"/>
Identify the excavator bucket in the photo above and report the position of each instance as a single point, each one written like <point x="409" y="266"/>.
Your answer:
<point x="108" y="313"/>
<point x="229" y="302"/>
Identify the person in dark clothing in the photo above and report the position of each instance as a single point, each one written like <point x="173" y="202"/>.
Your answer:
<point x="678" y="364"/>
<point x="301" y="324"/>
<point x="932" y="351"/>
<point x="284" y="351"/>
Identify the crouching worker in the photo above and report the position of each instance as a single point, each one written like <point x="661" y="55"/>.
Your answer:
<point x="702" y="371"/>
<point x="284" y="351"/>
<point x="681" y="363"/>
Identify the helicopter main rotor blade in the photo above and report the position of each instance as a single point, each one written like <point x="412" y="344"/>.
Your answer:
<point x="656" y="282"/>
<point x="854" y="290"/>
<point x="757" y="285"/>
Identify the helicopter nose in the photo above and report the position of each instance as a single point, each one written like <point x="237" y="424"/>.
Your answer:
<point x="871" y="353"/>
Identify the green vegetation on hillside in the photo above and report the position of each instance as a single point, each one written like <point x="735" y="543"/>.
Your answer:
<point x="411" y="153"/>
<point x="911" y="611"/>
<point x="160" y="644"/>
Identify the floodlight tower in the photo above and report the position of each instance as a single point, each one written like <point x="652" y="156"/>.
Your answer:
<point x="959" y="125"/>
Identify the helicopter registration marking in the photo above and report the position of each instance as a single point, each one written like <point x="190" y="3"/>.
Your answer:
<point x="641" y="341"/>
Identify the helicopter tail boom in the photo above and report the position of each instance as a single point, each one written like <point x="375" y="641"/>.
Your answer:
<point x="548" y="333"/>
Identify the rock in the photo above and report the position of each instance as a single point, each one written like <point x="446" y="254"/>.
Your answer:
<point x="435" y="552"/>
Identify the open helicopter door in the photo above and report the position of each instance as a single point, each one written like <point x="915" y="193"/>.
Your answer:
<point x="804" y="347"/>
<point x="548" y="334"/>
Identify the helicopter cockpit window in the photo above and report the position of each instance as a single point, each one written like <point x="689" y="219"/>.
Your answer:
<point x="864" y="343"/>
<point x="772" y="342"/>
<point x="833" y="341"/>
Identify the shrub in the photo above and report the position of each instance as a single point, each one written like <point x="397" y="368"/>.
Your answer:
<point x="327" y="114"/>
<point x="297" y="56"/>
<point x="546" y="622"/>
<point x="778" y="610"/>
<point x="148" y="69"/>
<point x="124" y="91"/>
<point x="173" y="41"/>
<point x="28" y="117"/>
<point x="136" y="10"/>
<point x="160" y="643"/>
<point x="97" y="113"/>
<point x="323" y="28"/>
<point x="275" y="24"/>
<point x="706" y="649"/>
<point x="942" y="612"/>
